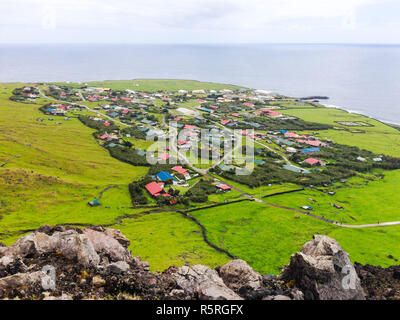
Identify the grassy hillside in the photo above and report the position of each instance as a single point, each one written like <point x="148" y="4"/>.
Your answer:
<point x="159" y="84"/>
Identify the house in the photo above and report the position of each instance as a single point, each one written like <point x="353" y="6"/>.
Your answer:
<point x="155" y="188"/>
<point x="284" y="141"/>
<point x="94" y="203"/>
<point x="164" y="176"/>
<point x="291" y="135"/>
<point x="313" y="161"/>
<point x="361" y="159"/>
<point x="257" y="161"/>
<point x="163" y="156"/>
<point x="200" y="91"/>
<point x="291" y="150"/>
<point x="223" y="187"/>
<point x="141" y="153"/>
<point x="189" y="126"/>
<point x="248" y="104"/>
<point x="182" y="142"/>
<point x="180" y="170"/>
<point x="314" y="143"/>
<point x="205" y="110"/>
<point x="310" y="150"/>
<point x="295" y="169"/>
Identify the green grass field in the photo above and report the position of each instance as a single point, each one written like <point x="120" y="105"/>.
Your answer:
<point x="168" y="239"/>
<point x="379" y="138"/>
<point x="158" y="84"/>
<point x="363" y="203"/>
<point x="266" y="237"/>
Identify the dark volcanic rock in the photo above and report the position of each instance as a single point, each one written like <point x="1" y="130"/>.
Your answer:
<point x="379" y="283"/>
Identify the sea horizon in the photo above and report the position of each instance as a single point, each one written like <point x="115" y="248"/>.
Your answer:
<point x="357" y="77"/>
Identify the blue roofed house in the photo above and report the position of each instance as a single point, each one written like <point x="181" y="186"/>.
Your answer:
<point x="310" y="150"/>
<point x="164" y="176"/>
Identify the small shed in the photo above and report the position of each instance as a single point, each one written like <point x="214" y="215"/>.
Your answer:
<point x="94" y="203"/>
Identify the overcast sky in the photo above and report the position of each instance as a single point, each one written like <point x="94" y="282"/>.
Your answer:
<point x="200" y="21"/>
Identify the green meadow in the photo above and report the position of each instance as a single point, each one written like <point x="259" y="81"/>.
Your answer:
<point x="378" y="138"/>
<point x="158" y="84"/>
<point x="266" y="237"/>
<point x="364" y="202"/>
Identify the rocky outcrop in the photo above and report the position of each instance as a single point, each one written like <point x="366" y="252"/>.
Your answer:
<point x="66" y="263"/>
<point x="323" y="271"/>
<point x="237" y="274"/>
<point x="203" y="283"/>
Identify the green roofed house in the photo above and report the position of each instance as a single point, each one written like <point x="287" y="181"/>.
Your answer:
<point x="255" y="124"/>
<point x="295" y="169"/>
<point x="141" y="153"/>
<point x="259" y="161"/>
<point x="94" y="203"/>
<point x="144" y="129"/>
<point x="284" y="141"/>
<point x="112" y="145"/>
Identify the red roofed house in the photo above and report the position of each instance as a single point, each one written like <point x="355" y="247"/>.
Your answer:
<point x="235" y="114"/>
<point x="106" y="123"/>
<point x="180" y="170"/>
<point x="104" y="136"/>
<point x="274" y="113"/>
<point x="181" y="142"/>
<point x="164" y="156"/>
<point x="225" y="121"/>
<point x="314" y="143"/>
<point x="223" y="187"/>
<point x="291" y="134"/>
<point x="154" y="188"/>
<point x="314" y="161"/>
<point x="201" y="100"/>
<point x="189" y="126"/>
<point x="247" y="104"/>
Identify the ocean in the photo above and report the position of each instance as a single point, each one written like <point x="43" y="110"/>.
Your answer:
<point x="358" y="78"/>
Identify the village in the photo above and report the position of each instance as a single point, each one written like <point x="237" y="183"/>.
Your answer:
<point x="135" y="127"/>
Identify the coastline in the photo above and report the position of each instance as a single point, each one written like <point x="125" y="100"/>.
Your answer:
<point x="389" y="123"/>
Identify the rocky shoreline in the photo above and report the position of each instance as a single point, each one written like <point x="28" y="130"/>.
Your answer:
<point x="68" y="263"/>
